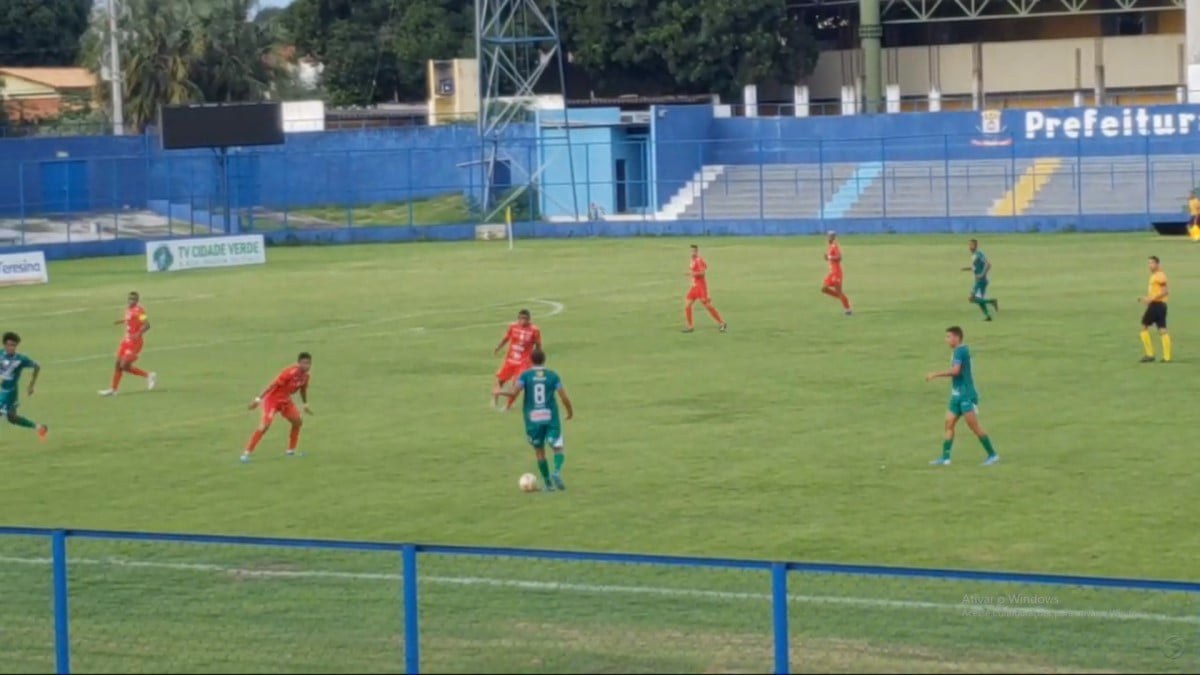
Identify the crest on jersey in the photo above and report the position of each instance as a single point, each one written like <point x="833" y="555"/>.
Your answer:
<point x="991" y="127"/>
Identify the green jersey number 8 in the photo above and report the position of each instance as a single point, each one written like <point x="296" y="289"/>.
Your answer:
<point x="539" y="394"/>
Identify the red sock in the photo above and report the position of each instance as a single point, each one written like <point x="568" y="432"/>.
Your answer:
<point x="687" y="312"/>
<point x="294" y="438"/>
<point x="134" y="370"/>
<point x="254" y="439"/>
<point x="845" y="301"/>
<point x="116" y="381"/>
<point x="715" y="314"/>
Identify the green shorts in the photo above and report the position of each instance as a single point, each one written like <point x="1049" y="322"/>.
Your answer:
<point x="8" y="401"/>
<point x="979" y="290"/>
<point x="961" y="405"/>
<point x="541" y="435"/>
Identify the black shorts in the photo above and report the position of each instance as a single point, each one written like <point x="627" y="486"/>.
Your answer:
<point x="1156" y="315"/>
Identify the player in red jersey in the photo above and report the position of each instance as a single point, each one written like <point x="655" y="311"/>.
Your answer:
<point x="137" y="324"/>
<point x="276" y="399"/>
<point x="522" y="337"/>
<point x="833" y="282"/>
<point x="697" y="270"/>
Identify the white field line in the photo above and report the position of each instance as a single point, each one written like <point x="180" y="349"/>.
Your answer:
<point x="556" y="308"/>
<point x="606" y="589"/>
<point x="90" y="308"/>
<point x="357" y="324"/>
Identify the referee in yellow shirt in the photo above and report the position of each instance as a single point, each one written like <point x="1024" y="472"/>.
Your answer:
<point x="1156" y="312"/>
<point x="1194" y="212"/>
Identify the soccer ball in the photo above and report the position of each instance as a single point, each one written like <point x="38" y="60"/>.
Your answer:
<point x="528" y="483"/>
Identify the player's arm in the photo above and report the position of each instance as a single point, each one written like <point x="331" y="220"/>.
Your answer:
<point x="259" y="399"/>
<point x="955" y="369"/>
<point x="987" y="268"/>
<point x="517" y="388"/>
<point x="503" y="341"/>
<point x="566" y="401"/>
<point x="33" y="378"/>
<point x="304" y="399"/>
<point x="145" y="326"/>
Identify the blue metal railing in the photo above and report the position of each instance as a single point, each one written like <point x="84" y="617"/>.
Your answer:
<point x="1082" y="620"/>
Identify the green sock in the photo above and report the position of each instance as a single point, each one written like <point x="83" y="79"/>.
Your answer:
<point x="983" y="304"/>
<point x="559" y="458"/>
<point x="544" y="469"/>
<point x="987" y="445"/>
<point x="22" y="422"/>
<point x="946" y="445"/>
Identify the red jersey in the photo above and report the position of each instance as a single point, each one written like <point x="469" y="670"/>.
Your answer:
<point x="521" y="341"/>
<point x="291" y="380"/>
<point x="135" y="318"/>
<point x="834" y="256"/>
<point x="698" y="269"/>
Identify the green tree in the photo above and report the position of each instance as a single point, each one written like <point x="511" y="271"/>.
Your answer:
<point x="376" y="50"/>
<point x="42" y="32"/>
<point x="185" y="52"/>
<point x="692" y="46"/>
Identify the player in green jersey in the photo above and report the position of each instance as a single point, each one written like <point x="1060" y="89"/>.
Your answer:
<point x="964" y="399"/>
<point x="543" y="426"/>
<point x="981" y="267"/>
<point x="12" y="365"/>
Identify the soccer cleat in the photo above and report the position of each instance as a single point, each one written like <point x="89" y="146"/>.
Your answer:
<point x="291" y="453"/>
<point x="108" y="392"/>
<point x="991" y="460"/>
<point x="42" y="432"/>
<point x="688" y="330"/>
<point x="940" y="461"/>
<point x="723" y="327"/>
<point x="1147" y="359"/>
<point x="996" y="306"/>
<point x="547" y="488"/>
<point x="245" y="458"/>
<point x="987" y="318"/>
<point x="556" y="478"/>
<point x="849" y="313"/>
<point x="151" y="381"/>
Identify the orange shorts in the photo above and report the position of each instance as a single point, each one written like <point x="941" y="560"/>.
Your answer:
<point x="833" y="280"/>
<point x="510" y="371"/>
<point x="129" y="351"/>
<point x="698" y="293"/>
<point x="287" y="409"/>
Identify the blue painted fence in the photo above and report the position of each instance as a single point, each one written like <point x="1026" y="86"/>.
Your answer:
<point x="139" y="602"/>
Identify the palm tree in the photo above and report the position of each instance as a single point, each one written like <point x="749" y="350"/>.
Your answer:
<point x="176" y="52"/>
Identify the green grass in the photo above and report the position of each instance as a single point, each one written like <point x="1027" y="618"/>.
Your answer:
<point x="799" y="435"/>
<point x="441" y="210"/>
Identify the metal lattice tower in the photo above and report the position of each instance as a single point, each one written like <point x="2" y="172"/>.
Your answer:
<point x="518" y="48"/>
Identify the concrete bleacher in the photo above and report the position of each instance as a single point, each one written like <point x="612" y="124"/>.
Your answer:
<point x="958" y="188"/>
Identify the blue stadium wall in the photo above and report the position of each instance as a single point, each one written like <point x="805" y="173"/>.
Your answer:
<point x="364" y="166"/>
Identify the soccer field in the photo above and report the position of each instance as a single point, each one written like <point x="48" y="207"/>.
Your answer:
<point x="800" y="434"/>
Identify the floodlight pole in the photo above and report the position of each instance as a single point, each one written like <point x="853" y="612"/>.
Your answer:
<point x="114" y="74"/>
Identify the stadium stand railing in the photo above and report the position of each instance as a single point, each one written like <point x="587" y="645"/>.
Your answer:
<point x="141" y="602"/>
<point x="913" y="184"/>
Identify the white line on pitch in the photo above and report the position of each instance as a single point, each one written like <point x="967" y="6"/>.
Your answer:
<point x="80" y="310"/>
<point x="556" y="308"/>
<point x="878" y="603"/>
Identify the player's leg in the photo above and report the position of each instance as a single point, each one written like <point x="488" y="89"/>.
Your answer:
<point x="292" y="415"/>
<point x="948" y="439"/>
<point x="690" y="300"/>
<point x="265" y="424"/>
<point x="712" y="311"/>
<point x="536" y="434"/>
<point x="1163" y="335"/>
<point x="971" y="417"/>
<point x="979" y="297"/>
<point x="840" y="293"/>
<point x="502" y="378"/>
<point x="8" y="406"/>
<point x="1147" y="343"/>
<point x="555" y="441"/>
